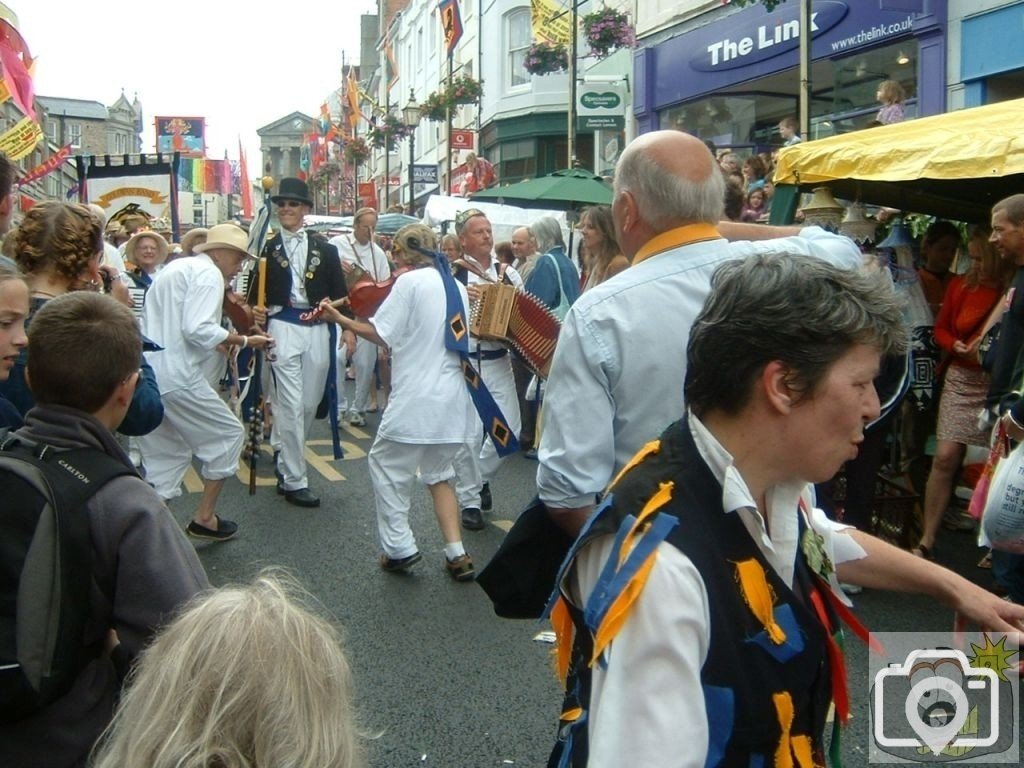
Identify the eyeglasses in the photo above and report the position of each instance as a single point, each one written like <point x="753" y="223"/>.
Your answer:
<point x="289" y="204"/>
<point x="463" y="216"/>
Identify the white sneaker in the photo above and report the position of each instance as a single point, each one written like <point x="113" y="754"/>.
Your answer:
<point x="355" y="418"/>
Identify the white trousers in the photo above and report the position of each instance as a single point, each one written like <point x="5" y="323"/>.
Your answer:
<point x="302" y="359"/>
<point x="393" y="472"/>
<point x="476" y="463"/>
<point x="196" y="423"/>
<point x="364" y="359"/>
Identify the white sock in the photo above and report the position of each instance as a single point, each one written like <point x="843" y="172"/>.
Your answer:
<point x="454" y="550"/>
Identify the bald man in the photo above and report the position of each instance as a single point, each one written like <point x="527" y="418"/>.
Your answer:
<point x="617" y="376"/>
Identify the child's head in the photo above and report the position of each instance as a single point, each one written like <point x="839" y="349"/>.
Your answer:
<point x="82" y="347"/>
<point x="890" y="92"/>
<point x="755" y="198"/>
<point x="13" y="311"/>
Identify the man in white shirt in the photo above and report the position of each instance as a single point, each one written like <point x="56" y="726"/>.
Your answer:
<point x="362" y="258"/>
<point x="182" y="315"/>
<point x="708" y="587"/>
<point x="476" y="464"/>
<point x="524" y="246"/>
<point x="615" y="378"/>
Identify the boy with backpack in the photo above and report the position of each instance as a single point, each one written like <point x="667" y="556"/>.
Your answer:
<point x="91" y="560"/>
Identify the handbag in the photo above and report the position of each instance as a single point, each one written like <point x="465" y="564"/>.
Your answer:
<point x="987" y="347"/>
<point x="979" y="496"/>
<point x="520" y="577"/>
<point x="1002" y="519"/>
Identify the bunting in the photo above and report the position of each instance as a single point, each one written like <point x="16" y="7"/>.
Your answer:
<point x="246" y="186"/>
<point x="17" y="69"/>
<point x="390" y="66"/>
<point x="48" y="166"/>
<point x="352" y="101"/>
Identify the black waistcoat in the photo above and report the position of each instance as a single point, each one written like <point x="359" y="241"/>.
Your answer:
<point x="323" y="277"/>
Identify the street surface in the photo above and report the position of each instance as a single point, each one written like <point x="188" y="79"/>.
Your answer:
<point x="441" y="681"/>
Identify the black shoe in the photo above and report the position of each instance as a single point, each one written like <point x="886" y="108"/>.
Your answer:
<point x="225" y="530"/>
<point x="301" y="498"/>
<point x="395" y="564"/>
<point x="473" y="519"/>
<point x="485" y="497"/>
<point x="278" y="475"/>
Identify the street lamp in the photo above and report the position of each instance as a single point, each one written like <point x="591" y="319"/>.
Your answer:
<point x="411" y="118"/>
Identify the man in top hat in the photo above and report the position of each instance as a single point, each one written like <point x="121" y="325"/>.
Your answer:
<point x="302" y="269"/>
<point x="182" y="315"/>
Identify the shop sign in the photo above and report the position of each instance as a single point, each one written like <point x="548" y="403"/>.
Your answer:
<point x="750" y="39"/>
<point x="601" y="106"/>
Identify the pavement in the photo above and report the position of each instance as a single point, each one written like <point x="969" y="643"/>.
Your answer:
<point x="440" y="680"/>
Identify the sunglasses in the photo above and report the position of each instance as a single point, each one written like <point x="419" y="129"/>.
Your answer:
<point x="289" y="204"/>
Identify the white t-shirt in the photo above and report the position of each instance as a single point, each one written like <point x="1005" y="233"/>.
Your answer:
<point x="429" y="401"/>
<point x="370" y="258"/>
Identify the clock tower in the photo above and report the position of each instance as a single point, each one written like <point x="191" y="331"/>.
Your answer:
<point x="281" y="144"/>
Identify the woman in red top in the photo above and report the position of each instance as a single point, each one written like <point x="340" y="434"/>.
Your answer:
<point x="967" y="303"/>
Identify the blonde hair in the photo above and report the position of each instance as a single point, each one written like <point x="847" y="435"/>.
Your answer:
<point x="422" y="235"/>
<point x="245" y="677"/>
<point x="891" y="92"/>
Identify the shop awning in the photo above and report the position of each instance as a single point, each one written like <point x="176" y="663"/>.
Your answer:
<point x="954" y="165"/>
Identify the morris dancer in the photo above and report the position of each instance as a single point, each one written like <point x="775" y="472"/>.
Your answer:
<point x="302" y="269"/>
<point x="430" y="417"/>
<point x="183" y="312"/>
<point x="360" y="253"/>
<point x="475" y="466"/>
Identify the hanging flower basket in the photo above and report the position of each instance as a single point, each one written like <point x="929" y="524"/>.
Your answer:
<point x="387" y="131"/>
<point x="607" y="30"/>
<point x="465" y="90"/>
<point x="545" y="58"/>
<point x="356" y="151"/>
<point x="435" y="106"/>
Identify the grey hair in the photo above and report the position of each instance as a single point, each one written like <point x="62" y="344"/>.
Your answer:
<point x="1013" y="207"/>
<point x="547" y="233"/>
<point x="666" y="200"/>
<point x="792" y="308"/>
<point x="245" y="677"/>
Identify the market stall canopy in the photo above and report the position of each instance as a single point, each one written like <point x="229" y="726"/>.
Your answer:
<point x="567" y="189"/>
<point x="954" y="165"/>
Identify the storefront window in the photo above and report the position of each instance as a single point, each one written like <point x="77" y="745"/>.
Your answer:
<point x="517" y="159"/>
<point x="747" y="115"/>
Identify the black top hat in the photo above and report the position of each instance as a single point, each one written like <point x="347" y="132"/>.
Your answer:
<point x="292" y="189"/>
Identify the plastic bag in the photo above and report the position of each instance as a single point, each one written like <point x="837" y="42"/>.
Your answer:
<point x="1002" y="521"/>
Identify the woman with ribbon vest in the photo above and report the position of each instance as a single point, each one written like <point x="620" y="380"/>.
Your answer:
<point x="696" y="612"/>
<point x="302" y="269"/>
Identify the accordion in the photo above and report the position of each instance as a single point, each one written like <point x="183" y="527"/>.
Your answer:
<point x="518" y="320"/>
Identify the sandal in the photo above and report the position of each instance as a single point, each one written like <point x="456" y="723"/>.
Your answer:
<point x="923" y="552"/>
<point x="986" y="562"/>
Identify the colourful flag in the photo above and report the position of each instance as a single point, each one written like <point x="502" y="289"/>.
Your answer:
<point x="17" y="68"/>
<point x="246" y="187"/>
<point x="550" y="22"/>
<point x="46" y="167"/>
<point x="20" y="140"/>
<point x="391" y="67"/>
<point x="325" y="119"/>
<point x="352" y="97"/>
<point x="451" y="24"/>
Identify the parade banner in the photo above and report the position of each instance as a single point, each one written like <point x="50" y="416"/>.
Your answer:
<point x="451" y="25"/>
<point x="20" y="140"/>
<point x="47" y="167"/>
<point x="151" y="185"/>
<point x="551" y="22"/>
<point x="181" y="134"/>
<point x="245" y="187"/>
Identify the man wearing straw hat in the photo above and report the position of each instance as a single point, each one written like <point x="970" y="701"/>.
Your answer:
<point x="183" y="312"/>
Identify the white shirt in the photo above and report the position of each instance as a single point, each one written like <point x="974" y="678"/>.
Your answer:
<point x="370" y="257"/>
<point x="653" y="672"/>
<point x="617" y="375"/>
<point x="182" y="315"/>
<point x="296" y="248"/>
<point x="492" y="272"/>
<point x="429" y="401"/>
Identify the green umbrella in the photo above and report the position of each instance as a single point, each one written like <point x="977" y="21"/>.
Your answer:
<point x="567" y="189"/>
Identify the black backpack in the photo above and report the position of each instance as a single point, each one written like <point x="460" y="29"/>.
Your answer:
<point x="45" y="569"/>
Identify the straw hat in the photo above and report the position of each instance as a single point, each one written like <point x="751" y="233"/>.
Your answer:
<point x="161" y="244"/>
<point x="192" y="238"/>
<point x="225" y="236"/>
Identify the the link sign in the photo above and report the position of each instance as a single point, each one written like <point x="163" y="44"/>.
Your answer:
<point x="601" y="106"/>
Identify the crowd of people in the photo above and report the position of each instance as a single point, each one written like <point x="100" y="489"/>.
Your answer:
<point x="685" y="417"/>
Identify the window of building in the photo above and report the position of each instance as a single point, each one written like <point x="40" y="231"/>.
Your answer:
<point x="517" y="160"/>
<point x="75" y="135"/>
<point x="197" y="218"/>
<point x="51" y="131"/>
<point x="519" y="38"/>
